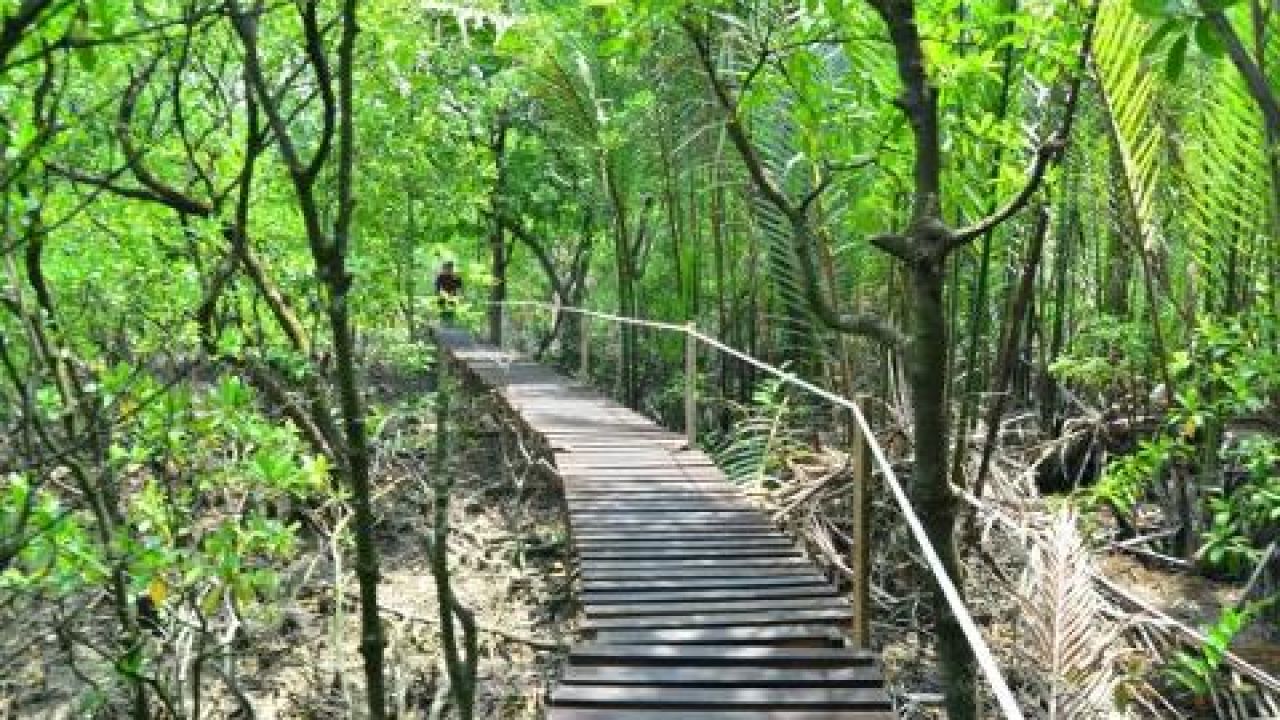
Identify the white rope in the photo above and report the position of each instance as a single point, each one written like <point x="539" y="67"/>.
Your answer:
<point x="978" y="644"/>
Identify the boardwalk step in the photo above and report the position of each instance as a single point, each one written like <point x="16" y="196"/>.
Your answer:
<point x="824" y="636"/>
<point x="722" y="619"/>
<point x="719" y="656"/>
<point x="690" y="607"/>
<point x="727" y="677"/>
<point x="708" y="698"/>
<point x="578" y="713"/>
<point x="742" y="582"/>
<point x="644" y="595"/>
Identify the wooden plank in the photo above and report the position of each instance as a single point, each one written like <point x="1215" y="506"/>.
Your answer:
<point x="643" y="526"/>
<point x="688" y="607"/>
<point x="673" y="489"/>
<point x="719" y="517"/>
<point x="677" y="541"/>
<point x="742" y="582"/>
<point x="778" y="617"/>
<point x="813" y="635"/>
<point x="855" y="698"/>
<point x="724" y="554"/>
<point x="668" y="534"/>
<point x="678" y="504"/>
<point x="655" y="566"/>
<point x="579" y="713"/>
<point x="663" y="596"/>
<point x="624" y="489"/>
<point x="867" y="676"/>
<point x="697" y="573"/>
<point x="634" y="470"/>
<point x="718" y="656"/>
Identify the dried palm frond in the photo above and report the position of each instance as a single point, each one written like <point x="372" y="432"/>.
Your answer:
<point x="1068" y="634"/>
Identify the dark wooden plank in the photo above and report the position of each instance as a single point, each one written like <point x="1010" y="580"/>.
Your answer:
<point x="718" y="656"/>
<point x="778" y="617"/>
<point x="708" y="698"/>
<point x="570" y="472"/>
<point x="719" y="517"/>
<point x="724" y="554"/>
<point x="579" y="713"/>
<point x="679" y="504"/>
<point x="677" y="541"/>
<point x="640" y="490"/>
<point x="868" y="676"/>
<point x="667" y="534"/>
<point x="664" y="596"/>
<point x="825" y="636"/>
<point x="690" y="607"/>
<point x="642" y="526"/>
<point x="696" y="573"/>
<point x="744" y="582"/>
<point x="764" y="563"/>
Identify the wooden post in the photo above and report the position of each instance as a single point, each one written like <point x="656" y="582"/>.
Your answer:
<point x="860" y="553"/>
<point x="690" y="385"/>
<point x="584" y="346"/>
<point x="505" y="322"/>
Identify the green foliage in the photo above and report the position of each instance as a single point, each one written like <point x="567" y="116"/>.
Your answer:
<point x="1108" y="356"/>
<point x="1182" y="22"/>
<point x="1126" y="479"/>
<point x="1198" y="672"/>
<point x="57" y="557"/>
<point x="1247" y="511"/>
<point x="1230" y="372"/>
<point x="763" y="438"/>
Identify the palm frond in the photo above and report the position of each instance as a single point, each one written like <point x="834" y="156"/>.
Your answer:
<point x="1071" y="641"/>
<point x="760" y="441"/>
<point x="1225" y="169"/>
<point x="1130" y="93"/>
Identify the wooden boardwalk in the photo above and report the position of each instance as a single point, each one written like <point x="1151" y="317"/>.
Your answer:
<point x="694" y="605"/>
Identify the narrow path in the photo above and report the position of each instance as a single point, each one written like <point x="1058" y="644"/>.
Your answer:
<point x="695" y="606"/>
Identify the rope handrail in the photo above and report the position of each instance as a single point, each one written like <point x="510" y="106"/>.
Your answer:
<point x="981" y="651"/>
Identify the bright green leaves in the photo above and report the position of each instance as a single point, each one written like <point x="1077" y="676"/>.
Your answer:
<point x="1127" y="479"/>
<point x="1182" y="24"/>
<point x="1208" y="40"/>
<point x="1198" y="672"/>
<point x="53" y="551"/>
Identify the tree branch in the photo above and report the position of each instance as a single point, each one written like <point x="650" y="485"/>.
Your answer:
<point x="1049" y="151"/>
<point x="797" y="217"/>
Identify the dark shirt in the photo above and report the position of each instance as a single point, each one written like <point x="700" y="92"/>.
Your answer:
<point x="448" y="283"/>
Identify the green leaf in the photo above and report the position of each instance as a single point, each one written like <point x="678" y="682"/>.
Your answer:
<point x="1208" y="40"/>
<point x="1177" y="59"/>
<point x="1153" y="8"/>
<point x="1153" y="43"/>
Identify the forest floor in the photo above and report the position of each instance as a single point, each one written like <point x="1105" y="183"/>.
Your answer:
<point x="506" y="564"/>
<point x="297" y="655"/>
<point x="1195" y="600"/>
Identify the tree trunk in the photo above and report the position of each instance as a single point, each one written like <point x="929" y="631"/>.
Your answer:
<point x="930" y="489"/>
<point x="497" y="232"/>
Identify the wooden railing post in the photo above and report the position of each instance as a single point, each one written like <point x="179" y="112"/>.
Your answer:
<point x="690" y="385"/>
<point x="860" y="560"/>
<point x="505" y="322"/>
<point x="584" y="346"/>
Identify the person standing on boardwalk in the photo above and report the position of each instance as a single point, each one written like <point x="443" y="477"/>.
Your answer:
<point x="448" y="292"/>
